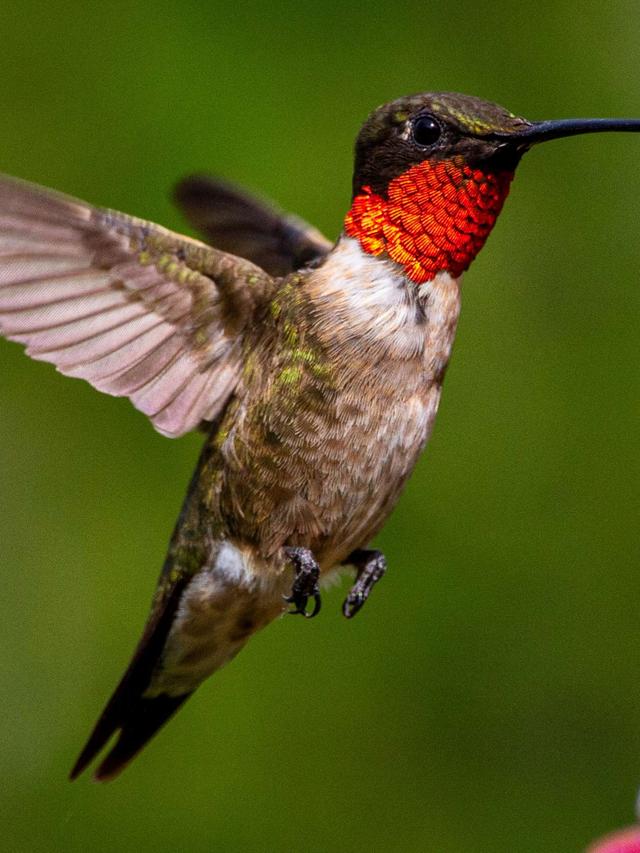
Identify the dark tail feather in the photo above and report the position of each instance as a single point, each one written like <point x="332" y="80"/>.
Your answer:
<point x="138" y="719"/>
<point x="142" y="722"/>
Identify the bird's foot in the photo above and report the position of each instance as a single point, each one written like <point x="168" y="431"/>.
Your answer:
<point x="305" y="584"/>
<point x="371" y="566"/>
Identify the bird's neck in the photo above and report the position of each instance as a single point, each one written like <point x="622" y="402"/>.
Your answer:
<point x="434" y="217"/>
<point x="366" y="305"/>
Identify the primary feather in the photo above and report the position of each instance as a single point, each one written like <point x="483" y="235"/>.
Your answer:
<point x="131" y="307"/>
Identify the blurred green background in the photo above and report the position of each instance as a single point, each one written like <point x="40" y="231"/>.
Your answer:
<point x="487" y="700"/>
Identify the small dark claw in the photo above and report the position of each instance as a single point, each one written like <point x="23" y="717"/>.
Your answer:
<point x="301" y="603"/>
<point x="353" y="602"/>
<point x="305" y="584"/>
<point x="371" y="566"/>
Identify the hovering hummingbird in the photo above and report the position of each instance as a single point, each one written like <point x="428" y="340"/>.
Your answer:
<point x="314" y="368"/>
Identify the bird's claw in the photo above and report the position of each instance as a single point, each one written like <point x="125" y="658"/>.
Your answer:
<point x="353" y="602"/>
<point x="300" y="601"/>
<point x="371" y="566"/>
<point x="305" y="584"/>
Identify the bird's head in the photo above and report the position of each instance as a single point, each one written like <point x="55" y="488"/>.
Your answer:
<point x="432" y="172"/>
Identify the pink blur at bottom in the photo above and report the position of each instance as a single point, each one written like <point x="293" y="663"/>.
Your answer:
<point x="626" y="841"/>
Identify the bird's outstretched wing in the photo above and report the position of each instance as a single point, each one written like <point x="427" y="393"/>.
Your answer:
<point x="131" y="307"/>
<point x="234" y="221"/>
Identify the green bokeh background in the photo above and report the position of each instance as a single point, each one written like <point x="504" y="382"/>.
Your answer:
<point x="487" y="700"/>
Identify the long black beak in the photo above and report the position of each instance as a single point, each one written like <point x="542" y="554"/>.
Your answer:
<point x="541" y="131"/>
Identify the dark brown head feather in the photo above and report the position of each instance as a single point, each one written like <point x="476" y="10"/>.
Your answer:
<point x="385" y="147"/>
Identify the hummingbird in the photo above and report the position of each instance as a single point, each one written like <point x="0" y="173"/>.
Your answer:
<point x="314" y="368"/>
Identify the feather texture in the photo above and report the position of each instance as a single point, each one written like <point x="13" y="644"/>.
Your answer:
<point x="237" y="222"/>
<point x="131" y="307"/>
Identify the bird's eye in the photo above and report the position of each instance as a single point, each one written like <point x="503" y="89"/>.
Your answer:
<point x="426" y="130"/>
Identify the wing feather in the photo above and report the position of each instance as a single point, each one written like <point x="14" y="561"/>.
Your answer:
<point x="111" y="346"/>
<point x="33" y="293"/>
<point x="253" y="228"/>
<point x="131" y="307"/>
<point x="81" y="329"/>
<point x="22" y="321"/>
<point x="125" y="355"/>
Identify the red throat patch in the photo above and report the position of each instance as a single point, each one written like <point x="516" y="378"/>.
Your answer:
<point x="437" y="216"/>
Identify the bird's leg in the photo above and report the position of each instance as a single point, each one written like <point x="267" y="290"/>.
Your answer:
<point x="305" y="584"/>
<point x="371" y="566"/>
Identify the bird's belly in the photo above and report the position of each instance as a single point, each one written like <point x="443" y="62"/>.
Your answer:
<point x="365" y="484"/>
<point x="330" y="485"/>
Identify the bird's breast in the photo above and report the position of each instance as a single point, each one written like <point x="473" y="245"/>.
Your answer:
<point x="318" y="457"/>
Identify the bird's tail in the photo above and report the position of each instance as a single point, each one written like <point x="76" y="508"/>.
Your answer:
<point x="200" y="620"/>
<point x="137" y="718"/>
